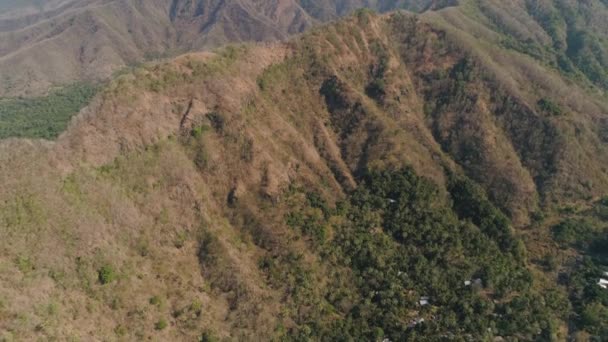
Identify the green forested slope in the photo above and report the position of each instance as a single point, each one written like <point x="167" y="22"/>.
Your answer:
<point x="43" y="117"/>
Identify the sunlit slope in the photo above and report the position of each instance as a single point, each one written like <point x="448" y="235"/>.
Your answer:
<point x="304" y="190"/>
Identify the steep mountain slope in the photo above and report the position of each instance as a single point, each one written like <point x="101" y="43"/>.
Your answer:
<point x="318" y="189"/>
<point x="549" y="95"/>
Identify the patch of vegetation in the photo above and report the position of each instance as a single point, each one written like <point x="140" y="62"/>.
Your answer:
<point x="274" y="75"/>
<point x="195" y="144"/>
<point x="43" y="117"/>
<point x="106" y="274"/>
<point x="217" y="120"/>
<point x="310" y="223"/>
<point x="550" y="107"/>
<point x="25" y="264"/>
<point x="196" y="307"/>
<point x="529" y="47"/>
<point x="156" y="301"/>
<point x="121" y="330"/>
<point x="198" y="131"/>
<point x="376" y="89"/>
<point x="161" y="324"/>
<point x="208" y="336"/>
<point x="22" y="213"/>
<point x="363" y="15"/>
<point x="574" y="232"/>
<point x="470" y="203"/>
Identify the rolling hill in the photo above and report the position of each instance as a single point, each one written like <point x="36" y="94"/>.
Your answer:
<point x="386" y="176"/>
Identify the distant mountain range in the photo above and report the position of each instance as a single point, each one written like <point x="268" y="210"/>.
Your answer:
<point x="56" y="42"/>
<point x="45" y="43"/>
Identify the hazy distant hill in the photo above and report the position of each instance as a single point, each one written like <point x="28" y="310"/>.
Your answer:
<point x="45" y="43"/>
<point x="8" y="6"/>
<point x="55" y="42"/>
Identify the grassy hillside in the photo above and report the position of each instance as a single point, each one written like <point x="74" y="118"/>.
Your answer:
<point x="345" y="185"/>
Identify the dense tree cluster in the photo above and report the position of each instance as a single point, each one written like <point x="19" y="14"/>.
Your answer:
<point x="43" y="117"/>
<point x="422" y="266"/>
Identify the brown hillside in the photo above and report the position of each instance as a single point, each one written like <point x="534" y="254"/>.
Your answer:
<point x="89" y="40"/>
<point x="180" y="174"/>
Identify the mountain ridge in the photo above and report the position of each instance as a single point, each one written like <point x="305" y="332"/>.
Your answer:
<point x="322" y="188"/>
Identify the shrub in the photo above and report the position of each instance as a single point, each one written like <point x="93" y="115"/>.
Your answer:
<point x="210" y="250"/>
<point x="316" y="201"/>
<point x="217" y="121"/>
<point x="594" y="316"/>
<point x="208" y="336"/>
<point x="538" y="217"/>
<point x="121" y="330"/>
<point x="550" y="263"/>
<point x="106" y="274"/>
<point x="24" y="264"/>
<point x="156" y="300"/>
<point x="575" y="233"/>
<point x="161" y="324"/>
<point x="196" y="307"/>
<point x="550" y="107"/>
<point x="376" y="89"/>
<point x="197" y="132"/>
<point x="363" y="15"/>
